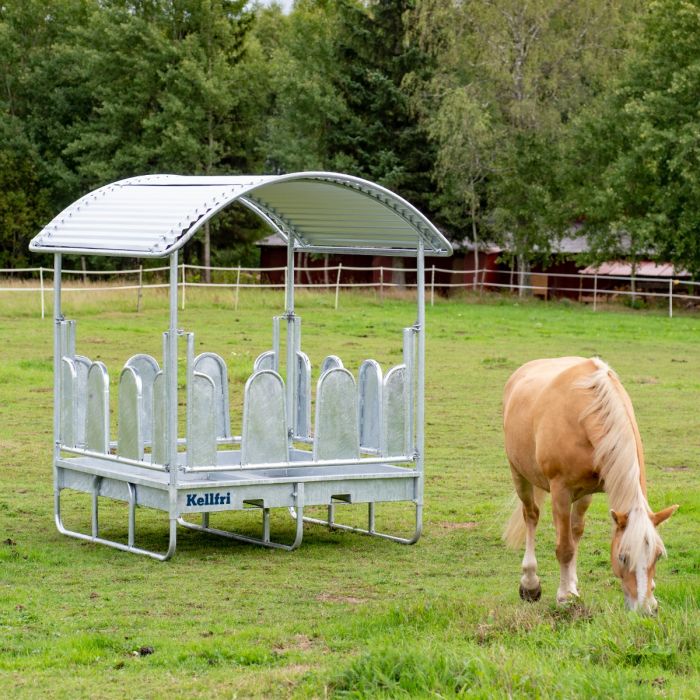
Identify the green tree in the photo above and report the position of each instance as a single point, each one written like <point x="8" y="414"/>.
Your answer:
<point x="23" y="200"/>
<point x="37" y="108"/>
<point x="379" y="136"/>
<point x="299" y="50"/>
<point x="171" y="91"/>
<point x="512" y="75"/>
<point x="468" y="141"/>
<point x="644" y="141"/>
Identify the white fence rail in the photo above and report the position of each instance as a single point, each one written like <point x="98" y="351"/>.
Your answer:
<point x="592" y="289"/>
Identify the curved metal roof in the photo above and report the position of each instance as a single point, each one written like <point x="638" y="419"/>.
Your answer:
<point x="153" y="215"/>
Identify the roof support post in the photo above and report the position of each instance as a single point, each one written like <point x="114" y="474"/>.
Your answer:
<point x="291" y="339"/>
<point x="171" y="375"/>
<point x="57" y="318"/>
<point x="420" y="362"/>
<point x="170" y="371"/>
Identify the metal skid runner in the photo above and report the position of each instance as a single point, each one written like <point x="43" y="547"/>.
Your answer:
<point x="365" y="443"/>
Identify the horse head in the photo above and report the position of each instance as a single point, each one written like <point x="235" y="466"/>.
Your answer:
<point x="635" y="549"/>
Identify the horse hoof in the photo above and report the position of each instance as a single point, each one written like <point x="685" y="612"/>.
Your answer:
<point x="568" y="601"/>
<point x="531" y="596"/>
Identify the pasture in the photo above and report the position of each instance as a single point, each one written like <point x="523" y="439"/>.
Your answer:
<point x="347" y="616"/>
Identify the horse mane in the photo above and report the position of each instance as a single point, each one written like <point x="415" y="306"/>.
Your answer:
<point x="616" y="457"/>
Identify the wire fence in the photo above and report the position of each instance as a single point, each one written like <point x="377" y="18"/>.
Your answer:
<point x="591" y="289"/>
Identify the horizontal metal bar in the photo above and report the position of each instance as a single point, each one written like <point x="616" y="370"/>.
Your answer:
<point x="64" y="249"/>
<point x="302" y="464"/>
<point x="236" y="536"/>
<point x="333" y="216"/>
<point x="350" y="228"/>
<point x="233" y="440"/>
<point x="349" y="528"/>
<point x="113" y="458"/>
<point x="114" y="544"/>
<point x="388" y="252"/>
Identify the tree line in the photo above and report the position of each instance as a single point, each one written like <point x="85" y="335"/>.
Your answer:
<point x="509" y="121"/>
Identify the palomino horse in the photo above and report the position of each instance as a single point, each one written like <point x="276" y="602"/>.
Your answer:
<point x="570" y="430"/>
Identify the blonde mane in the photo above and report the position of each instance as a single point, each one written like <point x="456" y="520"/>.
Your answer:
<point x="616" y="457"/>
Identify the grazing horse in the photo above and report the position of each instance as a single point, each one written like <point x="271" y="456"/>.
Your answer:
<point x="570" y="430"/>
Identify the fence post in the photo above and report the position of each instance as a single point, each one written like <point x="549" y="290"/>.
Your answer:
<point x="337" y="285"/>
<point x="41" y="284"/>
<point x="381" y="283"/>
<point x="595" y="291"/>
<point x="432" y="286"/>
<point x="670" y="298"/>
<point x="140" y="292"/>
<point x="238" y="282"/>
<point x="183" y="286"/>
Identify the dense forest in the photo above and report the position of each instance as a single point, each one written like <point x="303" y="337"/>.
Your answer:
<point x="511" y="121"/>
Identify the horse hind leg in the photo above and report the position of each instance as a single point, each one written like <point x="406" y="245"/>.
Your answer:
<point x="530" y="588"/>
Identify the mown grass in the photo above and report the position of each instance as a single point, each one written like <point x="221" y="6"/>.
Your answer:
<point x="348" y="616"/>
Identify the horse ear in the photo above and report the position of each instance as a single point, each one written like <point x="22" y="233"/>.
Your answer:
<point x="665" y="514"/>
<point x="620" y="519"/>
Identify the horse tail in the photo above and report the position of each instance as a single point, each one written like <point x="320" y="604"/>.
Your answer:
<point x="514" y="530"/>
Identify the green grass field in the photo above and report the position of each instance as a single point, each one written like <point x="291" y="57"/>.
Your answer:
<point x="347" y="616"/>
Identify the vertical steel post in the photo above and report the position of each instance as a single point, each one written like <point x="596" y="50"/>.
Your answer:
<point x="291" y="344"/>
<point x="57" y="318"/>
<point x="171" y="371"/>
<point x="190" y="385"/>
<point x="409" y="353"/>
<point x="171" y="400"/>
<point x="420" y="387"/>
<point x="670" y="298"/>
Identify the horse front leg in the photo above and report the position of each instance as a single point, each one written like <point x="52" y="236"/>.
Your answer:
<point x="566" y="547"/>
<point x="578" y="521"/>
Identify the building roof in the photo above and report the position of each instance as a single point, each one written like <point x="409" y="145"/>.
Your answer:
<point x="152" y="216"/>
<point x="568" y="245"/>
<point x="645" y="268"/>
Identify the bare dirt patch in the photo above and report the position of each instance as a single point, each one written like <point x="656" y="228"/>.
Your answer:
<point x="335" y="598"/>
<point x="299" y="642"/>
<point x="446" y="525"/>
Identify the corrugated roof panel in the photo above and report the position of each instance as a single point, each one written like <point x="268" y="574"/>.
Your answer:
<point x="153" y="215"/>
<point x="329" y="215"/>
<point x="644" y="268"/>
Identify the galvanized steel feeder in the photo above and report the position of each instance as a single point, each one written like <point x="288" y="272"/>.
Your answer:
<point x="367" y="445"/>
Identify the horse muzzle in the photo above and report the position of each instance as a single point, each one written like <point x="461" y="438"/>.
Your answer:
<point x="649" y="606"/>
